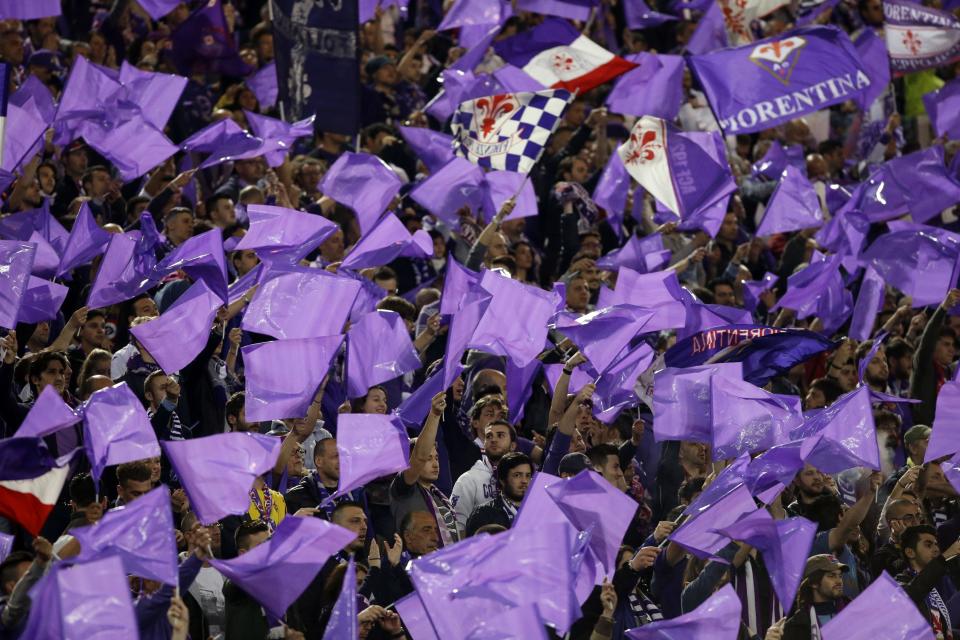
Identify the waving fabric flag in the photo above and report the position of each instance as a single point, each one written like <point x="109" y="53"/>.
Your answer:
<point x="283" y="376"/>
<point x="16" y="261"/>
<point x="717" y="618"/>
<point x="217" y="472"/>
<point x="203" y="42"/>
<point x="29" y="9"/>
<point x="654" y="88"/>
<point x="943" y="107"/>
<point x="362" y="182"/>
<point x="794" y="205"/>
<point x="745" y="418"/>
<point x="945" y="436"/>
<point x="917" y="183"/>
<point x="555" y="54"/>
<point x="681" y="401"/>
<point x="278" y="232"/>
<point x="87" y="240"/>
<point x="675" y="168"/>
<point x="342" y="623"/>
<point x="48" y="414"/>
<point x="841" y="436"/>
<point x="370" y="446"/>
<point x="202" y="258"/>
<point x="779" y="79"/>
<point x="378" y="349"/>
<point x="919" y="37"/>
<point x="738" y="17"/>
<point x="41" y="301"/>
<point x="277" y="571"/>
<point x="916" y="262"/>
<point x="30" y="481"/>
<point x="699" y="534"/>
<point x="141" y="533"/>
<point x="882" y="610"/>
<point x="433" y="148"/>
<point x="181" y="332"/>
<point x="116" y="429"/>
<point x="508" y="131"/>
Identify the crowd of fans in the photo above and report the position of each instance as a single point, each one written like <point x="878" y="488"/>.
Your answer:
<point x="470" y="463"/>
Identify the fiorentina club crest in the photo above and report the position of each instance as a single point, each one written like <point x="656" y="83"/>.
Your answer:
<point x="489" y="136"/>
<point x="643" y="146"/>
<point x="778" y="58"/>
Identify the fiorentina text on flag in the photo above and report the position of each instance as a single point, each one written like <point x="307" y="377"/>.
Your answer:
<point x="509" y="131"/>
<point x="919" y="37"/>
<point x="762" y="85"/>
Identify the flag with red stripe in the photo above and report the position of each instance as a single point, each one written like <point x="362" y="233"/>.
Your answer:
<point x="30" y="481"/>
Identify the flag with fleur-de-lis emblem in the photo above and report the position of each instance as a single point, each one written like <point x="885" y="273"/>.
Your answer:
<point x="687" y="172"/>
<point x="508" y="131"/>
<point x="919" y="37"/>
<point x="556" y="55"/>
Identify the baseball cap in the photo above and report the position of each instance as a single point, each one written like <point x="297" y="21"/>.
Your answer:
<point x="916" y="432"/>
<point x="574" y="463"/>
<point x="46" y="59"/>
<point x="823" y="562"/>
<point x="375" y="64"/>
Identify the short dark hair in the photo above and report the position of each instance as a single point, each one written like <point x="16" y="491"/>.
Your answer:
<point x="882" y="417"/>
<point x="85" y="178"/>
<point x="320" y="445"/>
<point x="862" y="350"/>
<point x="825" y="510"/>
<point x="481" y="403"/>
<point x="716" y="282"/>
<point x="947" y="332"/>
<point x="504" y="423"/>
<point x="241" y="537"/>
<point x="599" y="454"/>
<point x="510" y="462"/>
<point x="898" y="348"/>
<point x="689" y="487"/>
<point x="384" y="273"/>
<point x="8" y="568"/>
<point x="407" y="519"/>
<point x="235" y="404"/>
<point x="373" y="130"/>
<point x="82" y="490"/>
<point x="341" y="506"/>
<point x="39" y="364"/>
<point x="356" y="405"/>
<point x="138" y="471"/>
<point x="505" y="262"/>
<point x="406" y="309"/>
<point x="910" y="537"/>
<point x="828" y="146"/>
<point x="150" y="378"/>
<point x="829" y="388"/>
<point x="211" y="202"/>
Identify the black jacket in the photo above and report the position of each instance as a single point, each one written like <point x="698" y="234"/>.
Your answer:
<point x="492" y="512"/>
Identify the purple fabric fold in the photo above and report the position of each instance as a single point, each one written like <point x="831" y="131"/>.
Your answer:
<point x="379" y="349"/>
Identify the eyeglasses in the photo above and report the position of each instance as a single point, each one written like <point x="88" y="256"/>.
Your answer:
<point x="910" y="518"/>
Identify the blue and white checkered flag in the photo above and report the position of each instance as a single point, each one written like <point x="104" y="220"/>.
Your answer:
<point x="509" y="131"/>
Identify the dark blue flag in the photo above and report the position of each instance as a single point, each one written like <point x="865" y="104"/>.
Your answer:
<point x="318" y="63"/>
<point x="203" y="43"/>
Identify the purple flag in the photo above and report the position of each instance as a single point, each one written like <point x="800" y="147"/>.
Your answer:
<point x="746" y="418"/>
<point x="176" y="337"/>
<point x="603" y="335"/>
<point x="869" y="302"/>
<point x="729" y="479"/>
<point x="806" y="288"/>
<point x="784" y="544"/>
<point x="469" y="13"/>
<point x="462" y="326"/>
<point x="519" y="390"/>
<point x="370" y="446"/>
<point x="203" y="43"/>
<point x="24" y="127"/>
<point x="221" y="138"/>
<point x="116" y="429"/>
<point x="29" y="10"/>
<point x="386" y="241"/>
<point x="88" y="600"/>
<point x="876" y="63"/>
<point x="776" y="160"/>
<point x="919" y="37"/>
<point x="701" y="317"/>
<point x="134" y="147"/>
<point x="655" y="88"/>
<point x="458" y="183"/>
<point x="16" y="261"/>
<point x="593" y="504"/>
<point x="87" y="92"/>
<point x="378" y="349"/>
<point x="841" y="436"/>
<point x="794" y="205"/>
<point x="413" y="410"/>
<point x="415" y="619"/>
<point x="21" y="226"/>
<point x="944" y="439"/>
<point x="457" y="282"/>
<point x="699" y="536"/>
<point x="364" y="183"/>
<point x="640" y="16"/>
<point x="882" y="610"/>
<point x="643" y="255"/>
<point x="283" y="376"/>
<point x="155" y="94"/>
<point x="498" y="332"/>
<point x="343" y="618"/>
<point x="781" y="78"/>
<point x="844" y="233"/>
<point x="202" y="258"/>
<point x="711" y="31"/>
<point x="681" y="400"/>
<point x="281" y="232"/>
<point x="6" y="545"/>
<point x="277" y="571"/>
<point x="141" y="533"/>
<point x="217" y="472"/>
<point x="664" y="160"/>
<point x="917" y="183"/>
<point x="503" y="185"/>
<point x="717" y="618"/>
<point x="263" y="83"/>
<point x="278" y="136"/>
<point x="775" y="468"/>
<point x="433" y="148"/>
<point x="572" y="9"/>
<point x="915" y="262"/>
<point x="41" y="301"/>
<point x="753" y="288"/>
<point x="612" y="190"/>
<point x="660" y="291"/>
<point x="616" y="385"/>
<point x="158" y="8"/>
<point x="772" y="354"/>
<point x="124" y="271"/>
<point x="943" y="107"/>
<point x="48" y="414"/>
<point x="244" y="283"/>
<point x="301" y="303"/>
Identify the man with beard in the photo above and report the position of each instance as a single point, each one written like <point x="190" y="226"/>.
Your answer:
<point x="315" y="488"/>
<point x="926" y="578"/>
<point x="900" y="515"/>
<point x="478" y="485"/>
<point x="899" y="366"/>
<point x="513" y="477"/>
<point x="808" y="485"/>
<point x="818" y="599"/>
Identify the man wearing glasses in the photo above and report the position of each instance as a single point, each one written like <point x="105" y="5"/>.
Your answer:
<point x="901" y="514"/>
